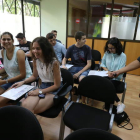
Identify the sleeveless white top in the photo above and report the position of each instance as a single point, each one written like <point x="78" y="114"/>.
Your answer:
<point x="45" y="74"/>
<point x="11" y="66"/>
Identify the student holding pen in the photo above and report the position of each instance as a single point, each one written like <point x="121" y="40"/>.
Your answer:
<point x="114" y="59"/>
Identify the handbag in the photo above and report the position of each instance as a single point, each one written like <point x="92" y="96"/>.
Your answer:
<point x="122" y="118"/>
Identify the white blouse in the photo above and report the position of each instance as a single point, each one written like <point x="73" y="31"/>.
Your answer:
<point x="45" y="74"/>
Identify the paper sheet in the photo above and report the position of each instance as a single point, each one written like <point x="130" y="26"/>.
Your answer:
<point x="67" y="65"/>
<point x="99" y="73"/>
<point x="15" y="93"/>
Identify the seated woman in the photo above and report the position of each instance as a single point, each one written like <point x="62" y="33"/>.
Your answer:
<point x="114" y="59"/>
<point x="15" y="65"/>
<point x="46" y="66"/>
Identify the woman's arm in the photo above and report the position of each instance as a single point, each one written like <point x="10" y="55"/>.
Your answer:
<point x="103" y="63"/>
<point x="132" y="66"/>
<point x="30" y="79"/>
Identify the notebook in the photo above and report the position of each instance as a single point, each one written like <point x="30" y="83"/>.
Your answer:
<point x="16" y="93"/>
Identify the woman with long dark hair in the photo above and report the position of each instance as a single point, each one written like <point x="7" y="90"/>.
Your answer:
<point x="114" y="59"/>
<point x="46" y="66"/>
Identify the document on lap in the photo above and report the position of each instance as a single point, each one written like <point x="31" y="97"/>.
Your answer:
<point x="15" y="93"/>
<point x="67" y="65"/>
<point x="98" y="73"/>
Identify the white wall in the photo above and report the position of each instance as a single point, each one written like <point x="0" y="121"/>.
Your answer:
<point x="53" y="17"/>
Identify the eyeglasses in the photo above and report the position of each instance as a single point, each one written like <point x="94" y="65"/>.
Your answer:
<point x="4" y="39"/>
<point x="111" y="48"/>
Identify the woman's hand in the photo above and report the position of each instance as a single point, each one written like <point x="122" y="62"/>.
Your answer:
<point x="113" y="74"/>
<point x="18" y="84"/>
<point x="110" y="74"/>
<point x="33" y="92"/>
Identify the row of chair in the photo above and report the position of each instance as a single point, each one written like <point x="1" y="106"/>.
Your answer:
<point x="23" y="125"/>
<point x="76" y="115"/>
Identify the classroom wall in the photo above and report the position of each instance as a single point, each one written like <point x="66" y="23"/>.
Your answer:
<point x="53" y="17"/>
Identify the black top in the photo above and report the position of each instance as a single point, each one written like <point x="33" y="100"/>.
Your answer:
<point x="138" y="59"/>
<point x="79" y="56"/>
<point x="25" y="47"/>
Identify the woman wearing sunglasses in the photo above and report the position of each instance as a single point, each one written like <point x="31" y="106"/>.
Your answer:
<point x="114" y="59"/>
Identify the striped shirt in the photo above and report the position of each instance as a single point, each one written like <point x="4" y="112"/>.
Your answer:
<point x="114" y="62"/>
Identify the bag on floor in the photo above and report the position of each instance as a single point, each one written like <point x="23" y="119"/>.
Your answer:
<point x="122" y="118"/>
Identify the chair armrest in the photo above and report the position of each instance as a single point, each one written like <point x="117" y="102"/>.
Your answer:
<point x="61" y="93"/>
<point x="111" y="122"/>
<point x="110" y="109"/>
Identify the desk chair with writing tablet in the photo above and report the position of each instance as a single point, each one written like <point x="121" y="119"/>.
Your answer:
<point x="78" y="115"/>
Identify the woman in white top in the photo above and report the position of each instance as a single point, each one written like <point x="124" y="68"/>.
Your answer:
<point x="46" y="66"/>
<point x="15" y="65"/>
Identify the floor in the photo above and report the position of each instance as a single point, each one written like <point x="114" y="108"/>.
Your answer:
<point x="132" y="101"/>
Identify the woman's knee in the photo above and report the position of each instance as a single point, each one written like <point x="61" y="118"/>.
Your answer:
<point x="1" y="90"/>
<point x="25" y="104"/>
<point x="3" y="101"/>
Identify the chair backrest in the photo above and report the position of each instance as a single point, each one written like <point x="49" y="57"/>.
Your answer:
<point x="67" y="77"/>
<point x="98" y="88"/>
<point x="18" y="123"/>
<point x="96" y="55"/>
<point x="93" y="64"/>
<point x="91" y="134"/>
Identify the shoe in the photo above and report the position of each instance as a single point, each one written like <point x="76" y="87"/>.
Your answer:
<point x="120" y="108"/>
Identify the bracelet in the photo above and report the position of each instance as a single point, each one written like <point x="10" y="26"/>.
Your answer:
<point x="6" y="81"/>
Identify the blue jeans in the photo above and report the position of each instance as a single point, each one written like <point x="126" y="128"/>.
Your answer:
<point x="73" y="70"/>
<point x="8" y="85"/>
<point x="48" y="84"/>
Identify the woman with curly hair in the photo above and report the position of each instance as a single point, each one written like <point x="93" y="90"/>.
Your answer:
<point x="46" y="66"/>
<point x="114" y="59"/>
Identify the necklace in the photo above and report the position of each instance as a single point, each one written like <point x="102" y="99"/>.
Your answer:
<point x="41" y="65"/>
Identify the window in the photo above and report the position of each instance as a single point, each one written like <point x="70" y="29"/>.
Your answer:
<point x="99" y="19"/>
<point x="32" y="20"/>
<point x="123" y="20"/>
<point x="77" y="18"/>
<point x="12" y="20"/>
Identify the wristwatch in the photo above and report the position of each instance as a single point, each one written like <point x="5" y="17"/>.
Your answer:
<point x="6" y="81"/>
<point x="41" y="95"/>
<point x="40" y="91"/>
